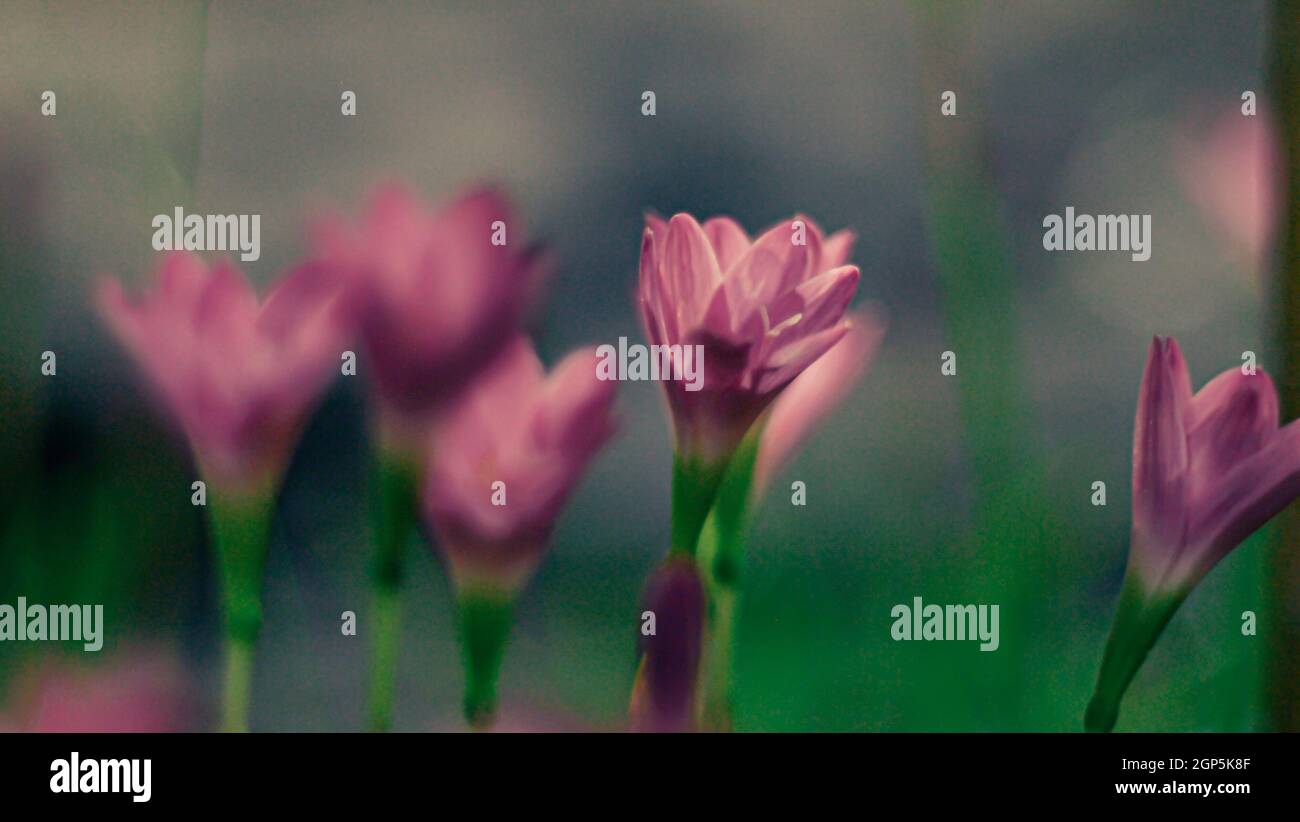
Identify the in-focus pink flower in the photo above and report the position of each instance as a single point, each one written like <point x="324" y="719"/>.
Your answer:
<point x="531" y="432"/>
<point x="665" y="695"/>
<point x="240" y="376"/>
<point x="814" y="395"/>
<point x="141" y="693"/>
<point x="763" y="310"/>
<point x="1208" y="469"/>
<point x="436" y="298"/>
<point x="1233" y="176"/>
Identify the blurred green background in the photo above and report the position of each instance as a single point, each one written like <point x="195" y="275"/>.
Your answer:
<point x="763" y="109"/>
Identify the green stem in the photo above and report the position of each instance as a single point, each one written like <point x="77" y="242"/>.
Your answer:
<point x="716" y="709"/>
<point x="1016" y="538"/>
<point x="393" y="514"/>
<point x="1282" y="668"/>
<point x="722" y="558"/>
<point x="486" y="616"/>
<point x="1139" y="621"/>
<point x="695" y="485"/>
<point x="237" y="683"/>
<point x="383" y="671"/>
<point x="240" y="531"/>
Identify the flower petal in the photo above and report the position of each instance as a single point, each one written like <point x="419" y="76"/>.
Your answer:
<point x="838" y="248"/>
<point x="728" y="239"/>
<point x="1228" y="420"/>
<point x="788" y="362"/>
<point x="1160" y="448"/>
<point x="1250" y="494"/>
<point x="692" y="270"/>
<point x="772" y="266"/>
<point x="814" y="394"/>
<point x="573" y="413"/>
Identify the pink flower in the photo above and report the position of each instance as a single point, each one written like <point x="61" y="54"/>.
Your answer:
<point x="1233" y="177"/>
<point x="1208" y="469"/>
<point x="506" y="458"/>
<point x="240" y="376"/>
<point x="763" y="310"/>
<point x="438" y="293"/>
<point x="137" y="694"/>
<point x="814" y="395"/>
<point x="665" y="694"/>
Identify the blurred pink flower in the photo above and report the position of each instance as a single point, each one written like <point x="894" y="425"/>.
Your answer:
<point x="437" y="299"/>
<point x="814" y="395"/>
<point x="665" y="694"/>
<point x="1208" y="469"/>
<point x="1234" y="177"/>
<point x="532" y="433"/>
<point x="141" y="693"/>
<point x="763" y="310"/>
<point x="239" y="376"/>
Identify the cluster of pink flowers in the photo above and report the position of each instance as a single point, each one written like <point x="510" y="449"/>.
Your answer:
<point x="436" y="302"/>
<point x="436" y="299"/>
<point x="500" y="445"/>
<point x="437" y="307"/>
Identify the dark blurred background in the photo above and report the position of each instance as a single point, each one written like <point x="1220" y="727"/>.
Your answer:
<point x="763" y="109"/>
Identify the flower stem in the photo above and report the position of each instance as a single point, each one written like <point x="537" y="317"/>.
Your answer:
<point x="1139" y="621"/>
<point x="393" y="512"/>
<point x="695" y="485"/>
<point x="1282" y="669"/>
<point x="486" y="615"/>
<point x="383" y="670"/>
<point x="237" y="683"/>
<point x="722" y="558"/>
<point x="240" y="530"/>
<point x="716" y="701"/>
<point x="1016" y="538"/>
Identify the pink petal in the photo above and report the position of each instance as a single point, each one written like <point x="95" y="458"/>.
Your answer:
<point x="728" y="239"/>
<point x="838" y="248"/>
<point x="660" y="315"/>
<point x="303" y="291"/>
<point x="573" y="411"/>
<point x="227" y="302"/>
<point x="773" y="265"/>
<point x="1242" y="500"/>
<point x="825" y="297"/>
<point x="789" y="361"/>
<point x="1160" y="456"/>
<point x="533" y="433"/>
<point x="1229" y="419"/>
<point x="181" y="277"/>
<point x="691" y="269"/>
<point x="814" y="394"/>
